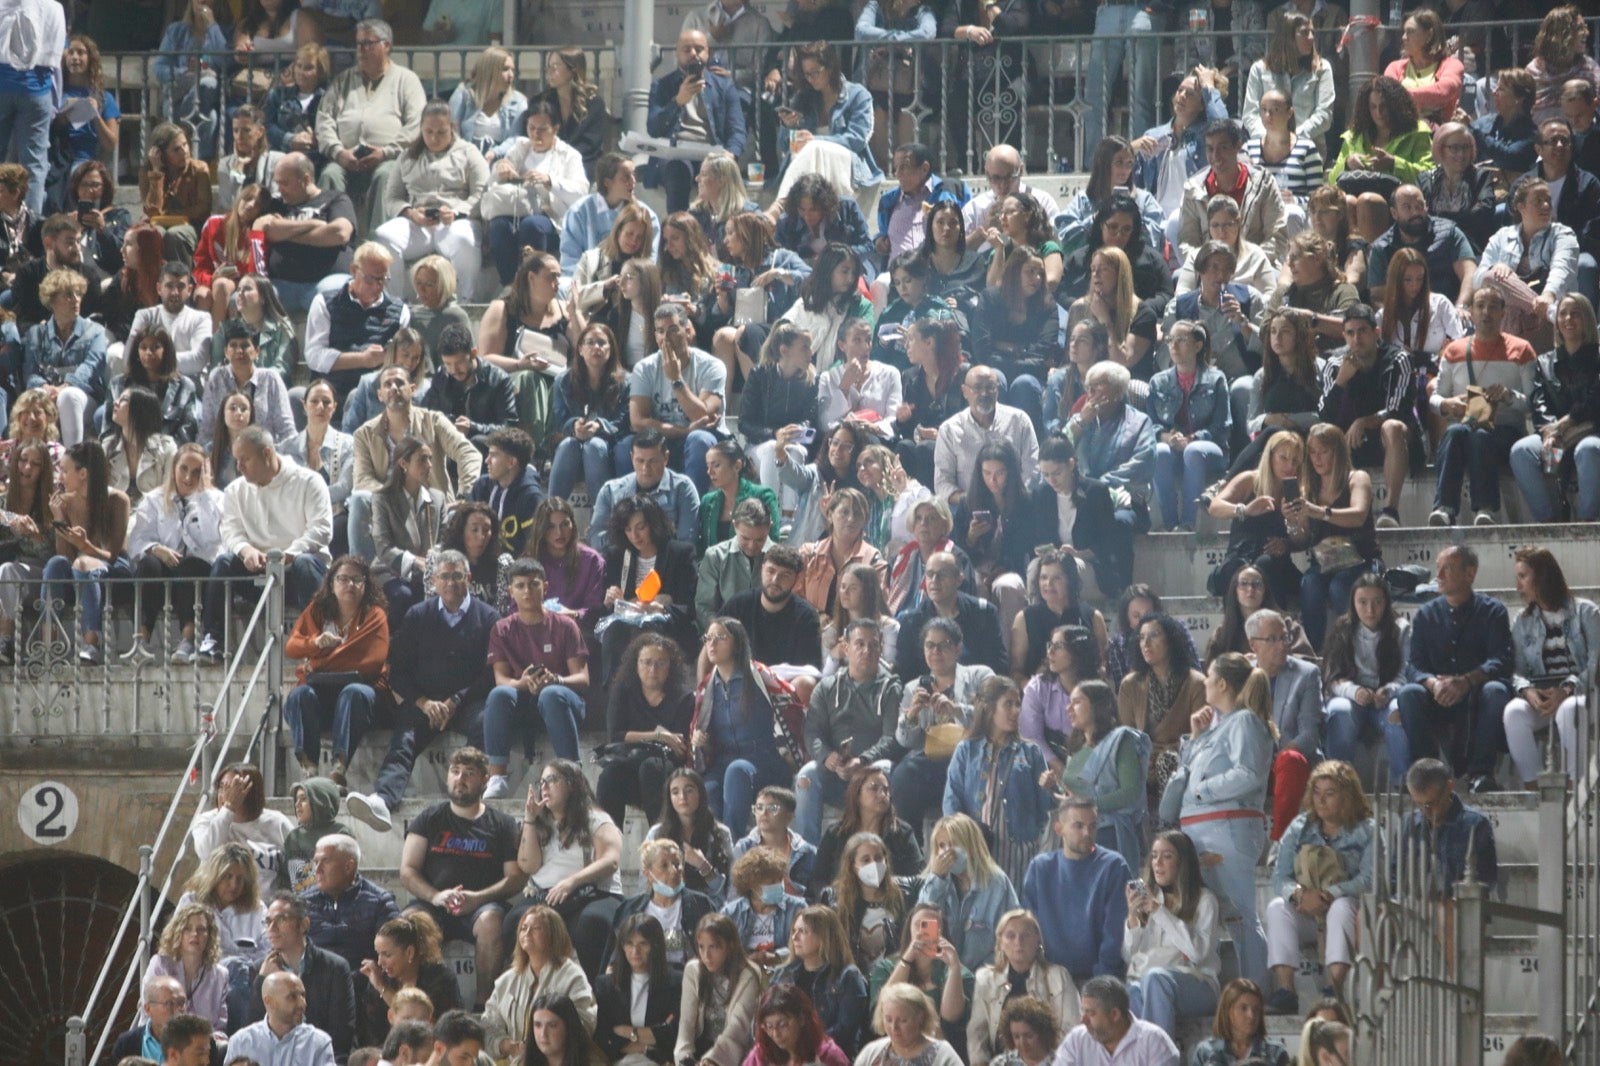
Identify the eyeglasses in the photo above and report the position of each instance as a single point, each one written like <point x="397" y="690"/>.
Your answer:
<point x="985" y="390"/>
<point x="1281" y="638"/>
<point x="995" y="179"/>
<point x="875" y="787"/>
<point x="175" y="1003"/>
<point x="353" y="580"/>
<point x="549" y="779"/>
<point x="1056" y="645"/>
<point x="363" y="43"/>
<point x="714" y="638"/>
<point x="939" y="645"/>
<point x="1558" y="141"/>
<point x="375" y="279"/>
<point x="451" y="577"/>
<point x="943" y="575"/>
<point x="593" y="342"/>
<point x="776" y="1023"/>
<point x="1252" y="585"/>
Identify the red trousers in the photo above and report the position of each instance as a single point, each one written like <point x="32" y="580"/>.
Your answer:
<point x="1290" y="772"/>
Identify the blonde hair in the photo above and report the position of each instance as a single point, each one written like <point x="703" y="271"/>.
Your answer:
<point x="823" y="923"/>
<point x="1331" y="437"/>
<point x="46" y="405"/>
<point x="1126" y="302"/>
<point x="442" y="269"/>
<point x="486" y="87"/>
<point x="651" y="850"/>
<point x="171" y="944"/>
<point x="59" y="281"/>
<point x="408" y="995"/>
<point x="235" y="235"/>
<point x="963" y="832"/>
<point x="1248" y="685"/>
<point x="1357" y="808"/>
<point x="372" y="252"/>
<point x="214" y="867"/>
<point x="909" y="996"/>
<point x="1267" y="483"/>
<point x="1026" y="917"/>
<point x="731" y="200"/>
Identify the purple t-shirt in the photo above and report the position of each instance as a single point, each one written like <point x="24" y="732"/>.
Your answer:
<point x="551" y="644"/>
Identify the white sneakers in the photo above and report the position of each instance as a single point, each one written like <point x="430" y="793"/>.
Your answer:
<point x="499" y="787"/>
<point x="370" y="810"/>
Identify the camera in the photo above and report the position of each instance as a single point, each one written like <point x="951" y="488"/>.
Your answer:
<point x="431" y="214"/>
<point x="694" y="69"/>
<point x="87" y="207"/>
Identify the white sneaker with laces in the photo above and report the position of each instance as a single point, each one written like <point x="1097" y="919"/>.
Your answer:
<point x="1483" y="518"/>
<point x="370" y="810"/>
<point x="498" y="788"/>
<point x="1441" y="517"/>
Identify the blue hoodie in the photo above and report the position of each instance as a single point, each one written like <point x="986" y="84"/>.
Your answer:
<point x="513" y="506"/>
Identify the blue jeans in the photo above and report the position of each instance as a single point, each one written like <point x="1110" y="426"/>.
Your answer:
<point x="358" y="518"/>
<point x="1350" y="727"/>
<point x="686" y="454"/>
<point x="591" y="458"/>
<point x="85" y="585"/>
<point x="731" y="787"/>
<point x="1479" y="454"/>
<point x="1239" y="842"/>
<point x="27" y="118"/>
<point x="559" y="707"/>
<point x="1111" y="22"/>
<point x="1201" y="463"/>
<point x="307" y="712"/>
<point x="1320" y="593"/>
<point x="507" y="238"/>
<point x="300" y="581"/>
<point x="297" y="295"/>
<point x="1527" y="466"/>
<point x="815" y="787"/>
<point x="411" y="737"/>
<point x="1161" y="997"/>
<point x="1471" y="735"/>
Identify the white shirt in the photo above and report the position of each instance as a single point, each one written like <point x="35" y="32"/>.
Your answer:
<point x="190" y="527"/>
<point x="191" y="335"/>
<point x="291" y="512"/>
<point x="1066" y="517"/>
<point x="33" y="33"/>
<point x="639" y="1000"/>
<point x="1143" y="1045"/>
<point x="561" y="862"/>
<point x="319" y="355"/>
<point x="568" y="182"/>
<point x="880" y="393"/>
<point x="976" y="213"/>
<point x="961" y="438"/>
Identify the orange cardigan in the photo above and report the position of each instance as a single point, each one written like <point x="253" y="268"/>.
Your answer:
<point x="366" y="650"/>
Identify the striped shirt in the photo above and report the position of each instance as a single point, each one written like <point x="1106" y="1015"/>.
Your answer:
<point x="1300" y="172"/>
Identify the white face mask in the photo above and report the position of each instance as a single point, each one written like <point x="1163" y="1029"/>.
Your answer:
<point x="872" y="874"/>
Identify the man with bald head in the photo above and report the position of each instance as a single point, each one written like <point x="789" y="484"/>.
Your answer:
<point x="283" y="1036"/>
<point x="162" y="1000"/>
<point x="330" y="1002"/>
<point x="1441" y="243"/>
<point x="1002" y="166"/>
<point x="310" y="233"/>
<point x="693" y="104"/>
<point x="977" y="617"/>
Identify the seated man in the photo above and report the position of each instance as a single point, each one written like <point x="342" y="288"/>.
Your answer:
<point x="189" y="327"/>
<point x="775" y="808"/>
<point x="1108" y="1031"/>
<point x="275" y="504"/>
<point x="1458" y="673"/>
<point x="478" y="396"/>
<point x="269" y="396"/>
<point x="310" y="233"/>
<point x="901" y="210"/>
<point x="1115" y="442"/>
<point x="346" y="909"/>
<point x="955" y="450"/>
<point x="439" y="673"/>
<point x="163" y="1000"/>
<point x="346" y="331"/>
<point x="284" y="1031"/>
<point x="187" y="1041"/>
<point x="1502" y="365"/>
<point x="1262" y="217"/>
<point x="651" y="477"/>
<point x="375" y="441"/>
<point x="1079" y="894"/>
<point x="693" y="105"/>
<point x="1296" y="711"/>
<point x="330" y="1004"/>
<point x="850" y="724"/>
<point x="59" y="234"/>
<point x="1446" y="839"/>
<point x="681" y="392"/>
<point x="785" y="633"/>
<point x="733" y="566"/>
<point x="1441" y="243"/>
<point x="371" y="113"/>
<point x="979" y="621"/>
<point x="509" y="483"/>
<point x="1366" y="389"/>
<point x="459" y="862"/>
<point x="540" y="659"/>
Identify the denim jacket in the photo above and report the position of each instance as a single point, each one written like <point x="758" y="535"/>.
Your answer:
<point x="849" y="125"/>
<point x="1228" y="765"/>
<point x="1119" y="453"/>
<point x="1027" y="806"/>
<point x="1553" y="249"/>
<point x="1354" y="845"/>
<point x="1210" y="413"/>
<point x="80" y="362"/>
<point x="840" y="999"/>
<point x="972" y="918"/>
<point x="1582" y="631"/>
<point x="1191" y="142"/>
<point x="1442" y="854"/>
<point x="744" y="917"/>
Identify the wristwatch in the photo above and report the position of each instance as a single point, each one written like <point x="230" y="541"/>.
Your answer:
<point x="677" y="383"/>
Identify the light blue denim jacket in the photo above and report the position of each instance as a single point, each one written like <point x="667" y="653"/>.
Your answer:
<point x="744" y="916"/>
<point x="850" y="125"/>
<point x="1554" y="248"/>
<point x="972" y="918"/>
<point x="1209" y="410"/>
<point x="1228" y="765"/>
<point x="1583" y="643"/>
<point x="1027" y="806"/>
<point x="1192" y="142"/>
<point x="1354" y="846"/>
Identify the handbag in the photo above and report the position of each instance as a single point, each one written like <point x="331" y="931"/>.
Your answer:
<point x="1357" y="182"/>
<point x="1336" y="553"/>
<point x="892" y="71"/>
<point x="1172" y="796"/>
<point x="333" y="678"/>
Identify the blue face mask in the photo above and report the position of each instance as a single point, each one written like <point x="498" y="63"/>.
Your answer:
<point x="772" y="894"/>
<point x="664" y="889"/>
<point x="959" y="864"/>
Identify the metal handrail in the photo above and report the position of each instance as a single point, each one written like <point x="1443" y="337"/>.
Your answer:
<point x="77" y="1025"/>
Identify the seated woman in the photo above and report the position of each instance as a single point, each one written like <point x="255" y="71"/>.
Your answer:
<point x="720" y="987"/>
<point x="1016" y="330"/>
<point x="560" y="1035"/>
<point x="1190" y="410"/>
<point x="991" y="527"/>
<point x="598" y="275"/>
<point x="1333" y="518"/>
<point x="1108" y="763"/>
<point x="927" y="961"/>
<point x="873" y="901"/>
<point x="1457" y="189"/>
<point x="1027" y="1035"/>
<point x="582" y="118"/>
<point x="650" y="704"/>
<point x="155" y="369"/>
<point x="1565" y="383"/>
<point x="175" y="189"/>
<point x="789" y="1032"/>
<point x="103" y="227"/>
<point x="1556" y="639"/>
<point x="1118" y="223"/>
<point x="138" y="453"/>
<point x="843" y="545"/>
<point x="223" y="253"/>
<point x="720" y="195"/>
<point x="860" y="596"/>
<point x="1247" y="592"/>
<point x="175" y="536"/>
<point x="689" y="268"/>
<point x="955" y="272"/>
<point x="1293" y="159"/>
<point x="1115" y="441"/>
<point x="1385" y="135"/>
<point x="856" y="386"/>
<point x="1363" y="669"/>
<point x="1338" y="817"/>
<point x="519" y="329"/>
<point x="290" y="107"/>
<point x="190" y="950"/>
<point x="1070" y="657"/>
<point x="574" y="572"/>
<point x="255" y="303"/>
<point x="26" y="517"/>
<point x="1088" y="343"/>
<point x="729" y="473"/>
<point x="1163" y="687"/>
<point x="65" y="354"/>
<point x="1111" y="169"/>
<point x="686" y="819"/>
<point x="1240" y="1025"/>
<point x="1018" y="973"/>
<point x="407" y="516"/>
<point x="1286" y="392"/>
<point x="471" y="531"/>
<point x="1173" y="152"/>
<point x="487" y="107"/>
<point x="868" y="808"/>
<point x="535" y="180"/>
<point x="752" y="259"/>
<point x="891" y="494"/>
<point x="663" y="897"/>
<point x="543" y="964"/>
<point x="237" y="412"/>
<point x="733" y="730"/>
<point x="641" y="544"/>
<point x="1333" y="218"/>
<point x="1414" y="317"/>
<point x="430" y="198"/>
<point x="827" y="300"/>
<point x="833" y="469"/>
<point x="572" y="860"/>
<point x="1171" y="937"/>
<point x="821" y="965"/>
<point x="780" y="392"/>
<point x="829" y="130"/>
<point x="226" y="883"/>
<point x="931" y="391"/>
<point x="970" y="890"/>
<point x="1535" y="250"/>
<point x="632" y="1028"/>
<point x="1113" y="301"/>
<point x="407" y="954"/>
<point x="589" y="410"/>
<point x="91" y="536"/>
<point x="629" y="309"/>
<point x="911" y="1024"/>
<point x="1314" y="289"/>
<point x="1253" y="268"/>
<point x="342" y="638"/>
<point x="815" y="215"/>
<point x="1022" y="225"/>
<point x="910" y="274"/>
<point x="1426" y="68"/>
<point x="1293" y="65"/>
<point x="1505" y="137"/>
<point x="761" y="907"/>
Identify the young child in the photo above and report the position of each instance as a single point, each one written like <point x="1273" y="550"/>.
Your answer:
<point x="316" y="803"/>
